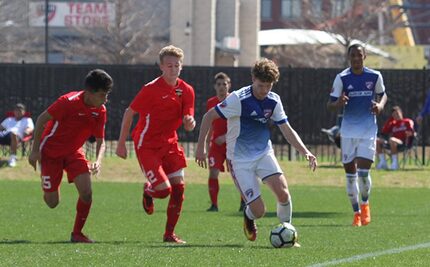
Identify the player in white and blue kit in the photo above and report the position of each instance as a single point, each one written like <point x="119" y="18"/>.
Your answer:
<point x="360" y="91"/>
<point x="249" y="150"/>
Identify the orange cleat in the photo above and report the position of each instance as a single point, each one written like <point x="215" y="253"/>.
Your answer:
<point x="357" y="219"/>
<point x="80" y="238"/>
<point x="173" y="239"/>
<point x="147" y="201"/>
<point x="365" y="214"/>
<point x="249" y="227"/>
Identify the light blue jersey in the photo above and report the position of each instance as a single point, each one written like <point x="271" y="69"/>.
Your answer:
<point x="248" y="135"/>
<point x="358" y="120"/>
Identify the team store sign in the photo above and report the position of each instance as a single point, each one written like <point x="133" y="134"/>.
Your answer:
<point x="73" y="14"/>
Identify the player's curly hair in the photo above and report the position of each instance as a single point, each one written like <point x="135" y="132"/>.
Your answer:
<point x="265" y="70"/>
<point x="171" y="50"/>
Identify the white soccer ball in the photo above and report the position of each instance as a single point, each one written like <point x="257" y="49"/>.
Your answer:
<point x="284" y="235"/>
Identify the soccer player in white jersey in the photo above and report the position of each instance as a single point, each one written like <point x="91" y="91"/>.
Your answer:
<point x="250" y="154"/>
<point x="360" y="91"/>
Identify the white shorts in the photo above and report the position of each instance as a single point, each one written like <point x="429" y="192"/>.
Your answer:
<point x="247" y="175"/>
<point x="357" y="148"/>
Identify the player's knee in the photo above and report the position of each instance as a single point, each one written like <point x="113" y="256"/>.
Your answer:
<point x="52" y="203"/>
<point x="163" y="193"/>
<point x="284" y="196"/>
<point x="86" y="196"/>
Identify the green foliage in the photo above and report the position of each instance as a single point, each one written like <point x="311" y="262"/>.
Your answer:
<point x="31" y="234"/>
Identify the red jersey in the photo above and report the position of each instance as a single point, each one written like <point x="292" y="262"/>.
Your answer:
<point x="398" y="128"/>
<point x="161" y="108"/>
<point x="73" y="122"/>
<point x="219" y="126"/>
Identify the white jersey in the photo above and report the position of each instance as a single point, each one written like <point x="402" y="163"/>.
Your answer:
<point x="248" y="135"/>
<point x="358" y="120"/>
<point x="17" y="127"/>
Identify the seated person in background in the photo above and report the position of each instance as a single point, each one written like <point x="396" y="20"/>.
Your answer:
<point x="14" y="129"/>
<point x="398" y="130"/>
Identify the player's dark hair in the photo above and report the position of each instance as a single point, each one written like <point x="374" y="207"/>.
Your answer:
<point x="265" y="70"/>
<point x="356" y="46"/>
<point x="98" y="80"/>
<point x="221" y="75"/>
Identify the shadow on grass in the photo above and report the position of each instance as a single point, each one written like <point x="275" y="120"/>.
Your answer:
<point x="299" y="214"/>
<point x="166" y="245"/>
<point x="17" y="242"/>
<point x="3" y="163"/>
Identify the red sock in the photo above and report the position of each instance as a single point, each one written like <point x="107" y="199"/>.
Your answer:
<point x="174" y="208"/>
<point x="82" y="210"/>
<point x="159" y="193"/>
<point x="213" y="190"/>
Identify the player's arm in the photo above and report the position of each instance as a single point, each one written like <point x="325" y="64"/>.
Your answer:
<point x="294" y="139"/>
<point x="127" y="120"/>
<point x="100" y="150"/>
<point x="381" y="96"/>
<point x="208" y="139"/>
<point x="38" y="130"/>
<point x="188" y="110"/>
<point x="207" y="120"/>
<point x="338" y="98"/>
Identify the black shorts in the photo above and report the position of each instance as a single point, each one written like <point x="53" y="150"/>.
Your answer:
<point x="5" y="138"/>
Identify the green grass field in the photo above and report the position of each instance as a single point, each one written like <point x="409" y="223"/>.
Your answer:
<point x="31" y="234"/>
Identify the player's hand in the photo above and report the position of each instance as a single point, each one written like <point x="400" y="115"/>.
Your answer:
<point x="95" y="168"/>
<point x="342" y="100"/>
<point x="189" y="123"/>
<point x="34" y="158"/>
<point x="121" y="150"/>
<point x="312" y="161"/>
<point x="201" y="156"/>
<point x="376" y="107"/>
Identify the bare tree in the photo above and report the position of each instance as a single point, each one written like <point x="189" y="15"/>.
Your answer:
<point x="135" y="37"/>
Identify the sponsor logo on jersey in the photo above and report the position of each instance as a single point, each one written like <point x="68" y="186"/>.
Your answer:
<point x="254" y="113"/>
<point x="369" y="85"/>
<point x="360" y="93"/>
<point x="350" y="87"/>
<point x="81" y="114"/>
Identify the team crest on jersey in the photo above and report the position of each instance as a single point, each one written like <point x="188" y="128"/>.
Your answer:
<point x="178" y="91"/>
<point x="95" y="114"/>
<point x="223" y="104"/>
<point x="267" y="113"/>
<point x="249" y="193"/>
<point x="369" y="85"/>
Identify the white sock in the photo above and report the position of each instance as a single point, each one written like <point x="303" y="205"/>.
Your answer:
<point x="284" y="211"/>
<point x="352" y="190"/>
<point x="249" y="213"/>
<point x="381" y="157"/>
<point x="394" y="159"/>
<point x="365" y="184"/>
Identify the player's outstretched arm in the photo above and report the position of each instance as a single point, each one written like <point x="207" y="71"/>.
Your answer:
<point x="294" y="139"/>
<point x="34" y="156"/>
<point x="127" y="120"/>
<point x="207" y="120"/>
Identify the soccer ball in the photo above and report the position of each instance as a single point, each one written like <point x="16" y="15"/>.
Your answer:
<point x="284" y="235"/>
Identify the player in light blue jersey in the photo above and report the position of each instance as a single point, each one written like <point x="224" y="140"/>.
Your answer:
<point x="249" y="150"/>
<point x="360" y="91"/>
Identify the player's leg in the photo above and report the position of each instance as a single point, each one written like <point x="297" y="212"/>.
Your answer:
<point x="380" y="142"/>
<point x="394" y="144"/>
<point x="14" y="140"/>
<point x="216" y="165"/>
<point x="271" y="174"/>
<point x="349" y="146"/>
<point x="174" y="164"/>
<point x="51" y="173"/>
<point x="157" y="185"/>
<point x="365" y="157"/>
<point x="78" y="173"/>
<point x="246" y="182"/>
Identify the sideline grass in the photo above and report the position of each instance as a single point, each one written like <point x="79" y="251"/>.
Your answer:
<point x="33" y="235"/>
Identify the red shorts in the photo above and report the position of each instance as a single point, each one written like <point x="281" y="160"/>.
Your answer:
<point x="52" y="169"/>
<point x="158" y="163"/>
<point x="216" y="157"/>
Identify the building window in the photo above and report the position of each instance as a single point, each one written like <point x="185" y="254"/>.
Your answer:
<point x="291" y="9"/>
<point x="339" y="7"/>
<point x="316" y="8"/>
<point x="266" y="9"/>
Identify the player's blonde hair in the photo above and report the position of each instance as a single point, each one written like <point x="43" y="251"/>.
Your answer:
<point x="171" y="50"/>
<point x="265" y="70"/>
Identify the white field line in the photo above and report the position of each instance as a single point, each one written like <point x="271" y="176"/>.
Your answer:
<point x="371" y="255"/>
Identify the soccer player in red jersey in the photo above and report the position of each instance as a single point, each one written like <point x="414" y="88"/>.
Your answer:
<point x="163" y="105"/>
<point x="216" y="143"/>
<point x="60" y="132"/>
